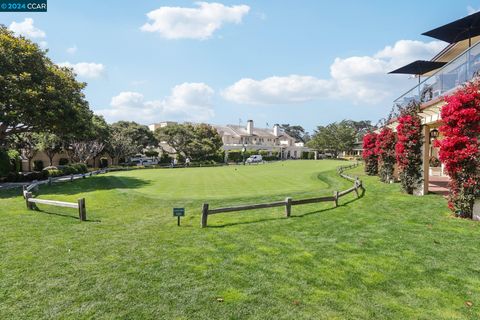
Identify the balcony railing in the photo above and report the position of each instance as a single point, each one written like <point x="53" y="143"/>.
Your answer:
<point x="455" y="73"/>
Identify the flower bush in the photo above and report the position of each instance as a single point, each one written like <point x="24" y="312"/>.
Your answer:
<point x="385" y="149"/>
<point x="409" y="148"/>
<point x="369" y="154"/>
<point x="459" y="148"/>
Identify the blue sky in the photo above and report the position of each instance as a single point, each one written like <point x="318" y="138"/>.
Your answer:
<point x="297" y="62"/>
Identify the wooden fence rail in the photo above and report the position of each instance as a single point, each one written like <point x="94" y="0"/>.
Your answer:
<point x="289" y="202"/>
<point x="80" y="205"/>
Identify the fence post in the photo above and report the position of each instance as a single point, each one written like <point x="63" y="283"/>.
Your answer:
<point x="82" y="211"/>
<point x="288" y="206"/>
<point x="204" y="215"/>
<point x="28" y="195"/>
<point x="24" y="189"/>
<point x="335" y="196"/>
<point x="355" y="184"/>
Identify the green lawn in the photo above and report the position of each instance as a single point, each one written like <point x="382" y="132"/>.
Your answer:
<point x="384" y="256"/>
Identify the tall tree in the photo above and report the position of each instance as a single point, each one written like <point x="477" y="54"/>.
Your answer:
<point x="36" y="95"/>
<point x="120" y="145"/>
<point x="27" y="142"/>
<point x="177" y="136"/>
<point x="198" y="142"/>
<point x="335" y="137"/>
<point x="206" y="142"/>
<point x="141" y="136"/>
<point x="297" y="132"/>
<point x="50" y="144"/>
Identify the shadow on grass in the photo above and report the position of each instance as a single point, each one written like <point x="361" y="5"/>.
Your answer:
<point x="88" y="184"/>
<point x="292" y="216"/>
<point x="96" y="183"/>
<point x="11" y="193"/>
<point x="64" y="215"/>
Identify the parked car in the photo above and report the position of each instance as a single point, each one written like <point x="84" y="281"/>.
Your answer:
<point x="142" y="161"/>
<point x="256" y="158"/>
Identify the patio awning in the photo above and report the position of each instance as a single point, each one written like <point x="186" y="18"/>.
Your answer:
<point x="458" y="30"/>
<point x="419" y="67"/>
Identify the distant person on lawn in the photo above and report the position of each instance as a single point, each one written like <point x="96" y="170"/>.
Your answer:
<point x="187" y="162"/>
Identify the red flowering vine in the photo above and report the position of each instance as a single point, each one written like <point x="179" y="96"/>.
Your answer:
<point x="369" y="154"/>
<point x="459" y="148"/>
<point x="385" y="149"/>
<point x="409" y="148"/>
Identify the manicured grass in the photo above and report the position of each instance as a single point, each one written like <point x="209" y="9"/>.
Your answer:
<point x="384" y="256"/>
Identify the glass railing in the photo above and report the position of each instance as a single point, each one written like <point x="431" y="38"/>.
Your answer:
<point x="458" y="71"/>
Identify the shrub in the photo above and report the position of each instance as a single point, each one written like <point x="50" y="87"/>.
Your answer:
<point x="409" y="148"/>
<point x="80" y="167"/>
<point x="4" y="163"/>
<point x="38" y="165"/>
<point x="25" y="177"/>
<point x="385" y="149"/>
<point x="235" y="156"/>
<point x="103" y="162"/>
<point x="165" y="158"/>
<point x="63" y="161"/>
<point x="15" y="160"/>
<point x="54" y="172"/>
<point x="369" y="154"/>
<point x="459" y="148"/>
<point x="151" y="153"/>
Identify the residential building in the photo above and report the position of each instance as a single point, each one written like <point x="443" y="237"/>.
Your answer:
<point x="237" y="137"/>
<point x="460" y="62"/>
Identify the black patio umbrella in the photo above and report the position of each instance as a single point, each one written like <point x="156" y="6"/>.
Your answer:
<point x="458" y="30"/>
<point x="419" y="67"/>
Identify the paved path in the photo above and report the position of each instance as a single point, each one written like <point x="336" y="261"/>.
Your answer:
<point x="12" y="185"/>
<point x="439" y="185"/>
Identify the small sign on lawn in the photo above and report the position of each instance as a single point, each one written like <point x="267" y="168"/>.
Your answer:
<point x="178" y="212"/>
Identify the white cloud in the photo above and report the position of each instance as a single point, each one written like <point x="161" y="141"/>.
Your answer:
<point x="472" y="10"/>
<point x="28" y="30"/>
<point x="86" y="69"/>
<point x="187" y="101"/>
<point x="193" y="23"/>
<point x="277" y="90"/>
<point x="361" y="79"/>
<point x="72" y="50"/>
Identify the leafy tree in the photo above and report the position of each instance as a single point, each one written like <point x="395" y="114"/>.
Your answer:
<point x="83" y="151"/>
<point x="50" y="144"/>
<point x="121" y="145"/>
<point x="36" y="95"/>
<point x="151" y="153"/>
<point x="198" y="142"/>
<point x="335" y="137"/>
<point x="177" y="136"/>
<point x="27" y="142"/>
<point x="296" y="132"/>
<point x="140" y="135"/>
<point x="206" y="143"/>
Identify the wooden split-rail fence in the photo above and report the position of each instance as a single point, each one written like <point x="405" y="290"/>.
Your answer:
<point x="32" y="202"/>
<point x="289" y="202"/>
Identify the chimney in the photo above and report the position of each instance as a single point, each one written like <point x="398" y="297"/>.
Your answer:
<point x="276" y="130"/>
<point x="250" y="127"/>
